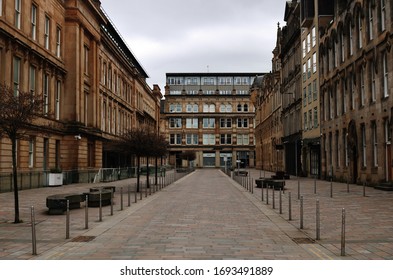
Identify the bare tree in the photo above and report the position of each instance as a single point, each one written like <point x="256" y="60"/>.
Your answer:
<point x="18" y="110"/>
<point x="142" y="142"/>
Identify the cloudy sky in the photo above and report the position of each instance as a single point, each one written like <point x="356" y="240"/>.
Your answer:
<point x="198" y="35"/>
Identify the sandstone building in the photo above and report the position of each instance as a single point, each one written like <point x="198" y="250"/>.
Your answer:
<point x="212" y="115"/>
<point x="93" y="87"/>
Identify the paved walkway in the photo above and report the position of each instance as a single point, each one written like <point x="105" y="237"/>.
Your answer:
<point x="206" y="215"/>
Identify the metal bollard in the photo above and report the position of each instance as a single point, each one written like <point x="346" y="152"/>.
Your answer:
<point x="267" y="195"/>
<point x="301" y="212"/>
<point x="274" y="200"/>
<point x="87" y="212"/>
<point x="343" y="233"/>
<point x="129" y="195"/>
<point x="289" y="207"/>
<point x="364" y="189"/>
<point x="315" y="185"/>
<point x="298" y="188"/>
<point x="146" y="190"/>
<point x="121" y="199"/>
<point x="68" y="220"/>
<point x="262" y="191"/>
<point x="347" y="185"/>
<point x="318" y="221"/>
<point x="100" y="208"/>
<point x="111" y="202"/>
<point x="280" y="201"/>
<point x="33" y="231"/>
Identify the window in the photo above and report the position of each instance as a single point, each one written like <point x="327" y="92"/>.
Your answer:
<point x="16" y="74"/>
<point x="175" y="139"/>
<point x="1" y="7"/>
<point x="313" y="36"/>
<point x="243" y="139"/>
<point x="309" y="93"/>
<point x="242" y="123"/>
<point x="375" y="143"/>
<point x="304" y="48"/>
<point x="46" y="94"/>
<point x="175" y="81"/>
<point x="225" y="139"/>
<point x="362" y="89"/>
<point x="309" y="68"/>
<point x="316" y="117"/>
<point x="383" y="15"/>
<point x="104" y="74"/>
<point x="209" y="108"/>
<point x="191" y="139"/>
<point x="58" y="44"/>
<point x="304" y="72"/>
<point x="31" y="153"/>
<point x="32" y="79"/>
<point x="344" y="96"/>
<point x="226" y="123"/>
<point x="209" y="139"/>
<point x="364" y="147"/>
<point x="360" y="31"/>
<point x="245" y="108"/>
<point x="305" y="120"/>
<point x="314" y="90"/>
<point x="229" y="108"/>
<point x="46" y="32"/>
<point x="208" y="81"/>
<point x="308" y="42"/>
<point x="310" y="119"/>
<point x="209" y="123"/>
<point x="192" y="123"/>
<point x="175" y="122"/>
<point x="372" y="82"/>
<point x="17" y="13"/>
<point x="385" y="74"/>
<point x="175" y="108"/>
<point x="305" y="97"/>
<point x="58" y="97"/>
<point x="34" y="22"/>
<point x="314" y="62"/>
<point x="192" y="108"/>
<point x="370" y="20"/>
<point x="352" y="89"/>
<point x="342" y="49"/>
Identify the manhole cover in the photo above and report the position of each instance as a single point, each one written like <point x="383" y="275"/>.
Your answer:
<point x="303" y="240"/>
<point x="83" y="239"/>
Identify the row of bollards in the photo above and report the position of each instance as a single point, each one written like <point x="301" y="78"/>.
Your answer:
<point x="162" y="182"/>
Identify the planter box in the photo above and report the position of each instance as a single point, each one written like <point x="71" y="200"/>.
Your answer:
<point x="55" y="179"/>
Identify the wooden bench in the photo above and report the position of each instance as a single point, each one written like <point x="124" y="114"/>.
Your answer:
<point x="57" y="203"/>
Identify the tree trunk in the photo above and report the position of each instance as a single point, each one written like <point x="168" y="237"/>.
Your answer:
<point x="15" y="180"/>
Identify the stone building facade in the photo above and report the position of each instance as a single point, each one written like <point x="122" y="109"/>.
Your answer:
<point x="212" y="115"/>
<point x="93" y="87"/>
<point x="356" y="92"/>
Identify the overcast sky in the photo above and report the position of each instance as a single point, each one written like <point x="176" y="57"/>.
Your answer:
<point x="198" y="35"/>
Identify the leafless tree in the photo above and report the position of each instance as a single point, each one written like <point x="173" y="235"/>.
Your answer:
<point x="18" y="110"/>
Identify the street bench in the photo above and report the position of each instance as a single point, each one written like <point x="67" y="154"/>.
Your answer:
<point x="94" y="198"/>
<point x="57" y="203"/>
<point x="270" y="183"/>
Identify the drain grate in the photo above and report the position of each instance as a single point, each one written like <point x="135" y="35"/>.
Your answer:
<point x="83" y="238"/>
<point x="303" y="240"/>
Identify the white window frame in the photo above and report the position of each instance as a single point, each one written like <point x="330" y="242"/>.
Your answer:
<point x="16" y="74"/>
<point x="18" y="13"/>
<point x="383" y="15"/>
<point x="47" y="32"/>
<point x="385" y="82"/>
<point x="46" y="91"/>
<point x="58" y="99"/>
<point x="370" y="21"/>
<point x="34" y="22"/>
<point x="31" y="152"/>
<point x="58" y="45"/>
<point x="192" y="123"/>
